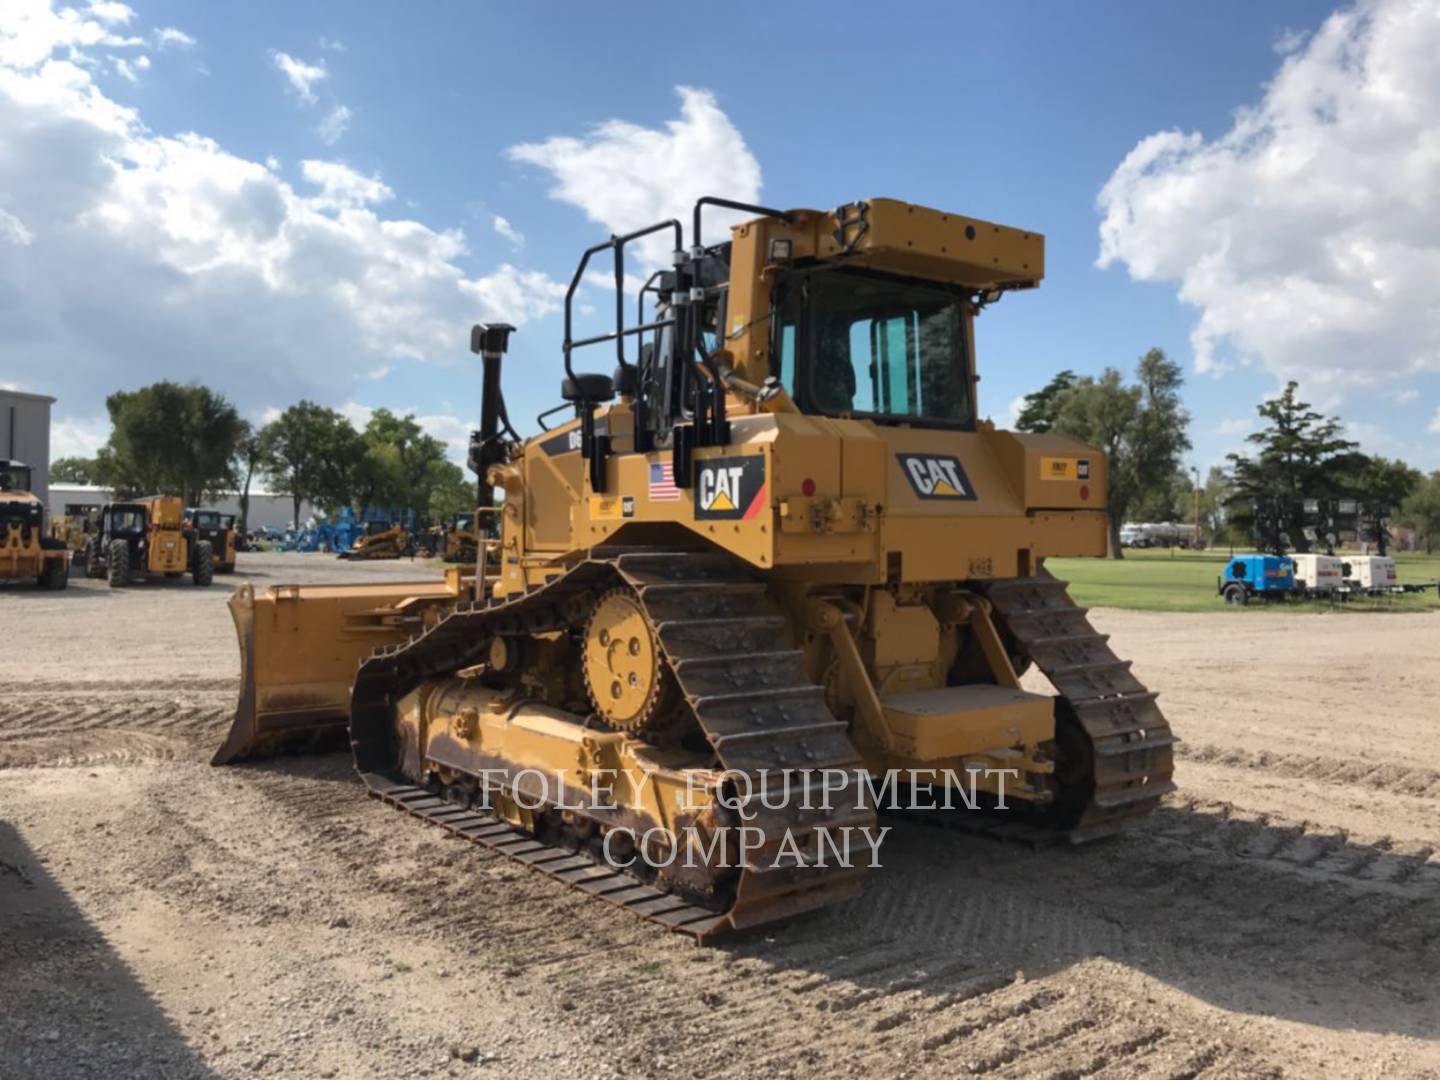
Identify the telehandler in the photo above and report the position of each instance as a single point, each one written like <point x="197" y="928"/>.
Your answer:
<point x="777" y="558"/>
<point x="218" y="530"/>
<point x="26" y="552"/>
<point x="147" y="538"/>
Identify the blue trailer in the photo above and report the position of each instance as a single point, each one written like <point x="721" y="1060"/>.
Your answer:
<point x="1268" y="577"/>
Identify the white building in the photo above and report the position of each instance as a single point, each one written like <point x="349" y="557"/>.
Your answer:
<point x="266" y="509"/>
<point x="25" y="434"/>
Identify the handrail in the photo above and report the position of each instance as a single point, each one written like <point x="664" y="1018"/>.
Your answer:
<point x="730" y="204"/>
<point x="617" y="244"/>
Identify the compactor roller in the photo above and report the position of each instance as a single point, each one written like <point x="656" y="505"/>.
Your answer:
<point x="770" y="576"/>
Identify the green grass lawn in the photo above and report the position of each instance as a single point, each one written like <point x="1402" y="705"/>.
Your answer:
<point x="1153" y="580"/>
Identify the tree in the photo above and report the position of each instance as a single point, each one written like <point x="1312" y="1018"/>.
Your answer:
<point x="249" y="456"/>
<point x="1038" y="414"/>
<point x="1297" y="452"/>
<point x="1173" y="500"/>
<point x="450" y="492"/>
<point x="410" y="456"/>
<point x="169" y="438"/>
<point x="1215" y="499"/>
<point x="74" y="470"/>
<point x="1380" y="486"/>
<point x="1421" y="511"/>
<point x="306" y="453"/>
<point x="1141" y="429"/>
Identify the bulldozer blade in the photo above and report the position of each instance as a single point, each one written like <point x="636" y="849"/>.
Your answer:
<point x="300" y="646"/>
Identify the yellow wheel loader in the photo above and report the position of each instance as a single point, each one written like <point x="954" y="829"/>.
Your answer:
<point x="145" y="539"/>
<point x="773" y="574"/>
<point x="26" y="552"/>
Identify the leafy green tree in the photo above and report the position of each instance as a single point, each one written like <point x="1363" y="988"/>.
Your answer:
<point x="450" y="493"/>
<point x="307" y="453"/>
<point x="1173" y="500"/>
<point x="74" y="470"/>
<point x="1296" y="457"/>
<point x="1038" y="414"/>
<point x="1421" y="511"/>
<point x="1381" y="487"/>
<point x="168" y="438"/>
<point x="1141" y="429"/>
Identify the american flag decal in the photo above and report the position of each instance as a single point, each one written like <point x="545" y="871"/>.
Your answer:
<point x="662" y="483"/>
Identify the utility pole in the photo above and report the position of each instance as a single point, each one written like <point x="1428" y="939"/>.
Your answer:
<point x="1196" y="470"/>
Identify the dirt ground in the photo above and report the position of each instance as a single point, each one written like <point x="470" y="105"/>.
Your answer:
<point x="161" y="918"/>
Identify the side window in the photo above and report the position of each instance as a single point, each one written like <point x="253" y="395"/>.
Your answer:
<point x="786" y="374"/>
<point x="1237" y="570"/>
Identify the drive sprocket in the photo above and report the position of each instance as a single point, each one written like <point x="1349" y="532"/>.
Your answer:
<point x="629" y="684"/>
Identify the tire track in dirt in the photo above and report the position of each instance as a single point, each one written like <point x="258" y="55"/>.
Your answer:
<point x="1380" y="776"/>
<point x="97" y="748"/>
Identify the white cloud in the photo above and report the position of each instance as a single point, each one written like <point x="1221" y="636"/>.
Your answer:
<point x="128" y="68"/>
<point x="624" y="176"/>
<point x="13" y="230"/>
<point x="509" y="232"/>
<point x="1404" y="397"/>
<point x="168" y="35"/>
<point x="341" y="186"/>
<point x="107" y="11"/>
<point x="335" y="125"/>
<point x="32" y="30"/>
<point x="332" y="45"/>
<point x="301" y="76"/>
<point x="128" y="256"/>
<point x="78" y="436"/>
<point x="1434" y="427"/>
<point x="1308" y="235"/>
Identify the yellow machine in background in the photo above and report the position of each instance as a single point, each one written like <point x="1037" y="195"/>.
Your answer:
<point x="26" y="552"/>
<point x="462" y="539"/>
<point x="147" y="538"/>
<point x="389" y="543"/>
<point x="778" y="545"/>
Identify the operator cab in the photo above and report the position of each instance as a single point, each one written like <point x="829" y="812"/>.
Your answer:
<point x="19" y="509"/>
<point x="15" y="476"/>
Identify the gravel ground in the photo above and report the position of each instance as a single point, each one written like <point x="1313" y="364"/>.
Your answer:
<point x="161" y="918"/>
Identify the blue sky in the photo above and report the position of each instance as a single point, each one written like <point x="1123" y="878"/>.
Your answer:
<point x="231" y="260"/>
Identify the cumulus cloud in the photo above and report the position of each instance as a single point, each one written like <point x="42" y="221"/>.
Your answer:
<point x="32" y="30"/>
<point x="1308" y="235"/>
<point x="624" y="176"/>
<point x="509" y="232"/>
<point x="301" y="76"/>
<point x="128" y="256"/>
<point x="335" y="124"/>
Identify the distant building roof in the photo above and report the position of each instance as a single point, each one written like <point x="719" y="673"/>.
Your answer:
<point x="22" y="395"/>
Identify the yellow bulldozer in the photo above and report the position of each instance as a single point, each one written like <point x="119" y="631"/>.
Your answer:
<point x="26" y="552"/>
<point x="770" y="573"/>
